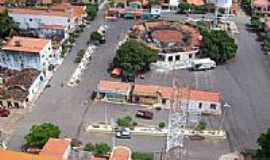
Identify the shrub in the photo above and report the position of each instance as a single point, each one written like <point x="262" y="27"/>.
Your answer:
<point x="89" y="147"/>
<point x="161" y="125"/>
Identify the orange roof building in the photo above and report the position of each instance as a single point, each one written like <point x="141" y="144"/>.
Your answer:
<point x="27" y="52"/>
<point x="25" y="44"/>
<point x="205" y="101"/>
<point x="121" y="153"/>
<point x="59" y="148"/>
<point x="54" y="149"/>
<point x="13" y="155"/>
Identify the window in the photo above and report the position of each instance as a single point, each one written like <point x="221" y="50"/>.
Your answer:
<point x="68" y="20"/>
<point x="177" y="58"/>
<point x="161" y="58"/>
<point x="170" y="58"/>
<point x="16" y="104"/>
<point x="200" y="105"/>
<point x="213" y="106"/>
<point x="9" y="104"/>
<point x="1" y="103"/>
<point x="30" y="19"/>
<point x="190" y="56"/>
<point x="163" y="101"/>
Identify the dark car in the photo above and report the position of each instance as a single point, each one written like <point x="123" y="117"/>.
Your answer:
<point x="144" y="114"/>
<point x="4" y="112"/>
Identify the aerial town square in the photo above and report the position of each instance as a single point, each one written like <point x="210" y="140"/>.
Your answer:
<point x="134" y="80"/>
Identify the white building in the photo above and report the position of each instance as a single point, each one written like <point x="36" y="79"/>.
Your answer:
<point x="208" y="102"/>
<point x="25" y="52"/>
<point x="177" y="43"/>
<point x="58" y="19"/>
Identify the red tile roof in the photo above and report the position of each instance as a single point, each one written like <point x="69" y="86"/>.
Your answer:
<point x="55" y="147"/>
<point x="260" y="3"/>
<point x="196" y="2"/>
<point x="167" y="36"/>
<point x="167" y="92"/>
<point x="45" y="12"/>
<point x="97" y="158"/>
<point x="120" y="153"/>
<point x="25" y="44"/>
<point x="109" y="85"/>
<point x="13" y="155"/>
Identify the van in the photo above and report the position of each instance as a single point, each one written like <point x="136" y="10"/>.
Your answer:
<point x="202" y="64"/>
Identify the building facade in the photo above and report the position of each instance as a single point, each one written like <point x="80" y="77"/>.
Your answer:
<point x="208" y="102"/>
<point x="25" y="52"/>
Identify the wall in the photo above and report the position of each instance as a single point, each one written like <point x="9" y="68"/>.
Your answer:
<point x="67" y="153"/>
<point x="12" y="101"/>
<point x="33" y="90"/>
<point x="19" y="60"/>
<point x="34" y="21"/>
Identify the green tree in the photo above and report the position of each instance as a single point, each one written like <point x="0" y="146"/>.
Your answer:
<point x="134" y="56"/>
<point x="161" y="125"/>
<point x="102" y="149"/>
<point x="153" y="2"/>
<point x="201" y="126"/>
<point x="184" y="7"/>
<point x="89" y="147"/>
<point x="7" y="25"/>
<point x="95" y="36"/>
<point x="217" y="45"/>
<point x="125" y="122"/>
<point x="142" y="156"/>
<point x="263" y="153"/>
<point x="256" y="23"/>
<point x="91" y="10"/>
<point x="39" y="134"/>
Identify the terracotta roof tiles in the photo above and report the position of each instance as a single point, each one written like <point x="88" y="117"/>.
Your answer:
<point x="55" y="147"/>
<point x="25" y="44"/>
<point x="109" y="85"/>
<point x="120" y="153"/>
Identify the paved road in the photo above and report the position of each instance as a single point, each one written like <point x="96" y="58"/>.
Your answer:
<point x="244" y="83"/>
<point x="71" y="108"/>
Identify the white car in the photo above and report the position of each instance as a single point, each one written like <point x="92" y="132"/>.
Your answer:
<point x="203" y="64"/>
<point x="123" y="133"/>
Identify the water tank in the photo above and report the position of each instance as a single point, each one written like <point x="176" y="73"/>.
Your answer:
<point x="223" y="3"/>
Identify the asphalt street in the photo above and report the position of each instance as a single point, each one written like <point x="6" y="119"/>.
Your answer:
<point x="244" y="84"/>
<point x="72" y="109"/>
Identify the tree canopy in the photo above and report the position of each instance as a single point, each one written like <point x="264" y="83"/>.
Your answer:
<point x="91" y="10"/>
<point x="7" y="26"/>
<point x="102" y="149"/>
<point x="217" y="45"/>
<point x="40" y="134"/>
<point x="134" y="56"/>
<point x="263" y="153"/>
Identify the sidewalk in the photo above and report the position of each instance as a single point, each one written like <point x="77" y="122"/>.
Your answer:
<point x="151" y="131"/>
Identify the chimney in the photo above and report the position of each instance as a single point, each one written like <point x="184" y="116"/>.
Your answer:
<point x="18" y="43"/>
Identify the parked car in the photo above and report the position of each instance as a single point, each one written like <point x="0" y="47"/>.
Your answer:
<point x="33" y="150"/>
<point x="123" y="133"/>
<point x="197" y="138"/>
<point x="203" y="64"/>
<point x="4" y="112"/>
<point x="144" y="114"/>
<point x="116" y="72"/>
